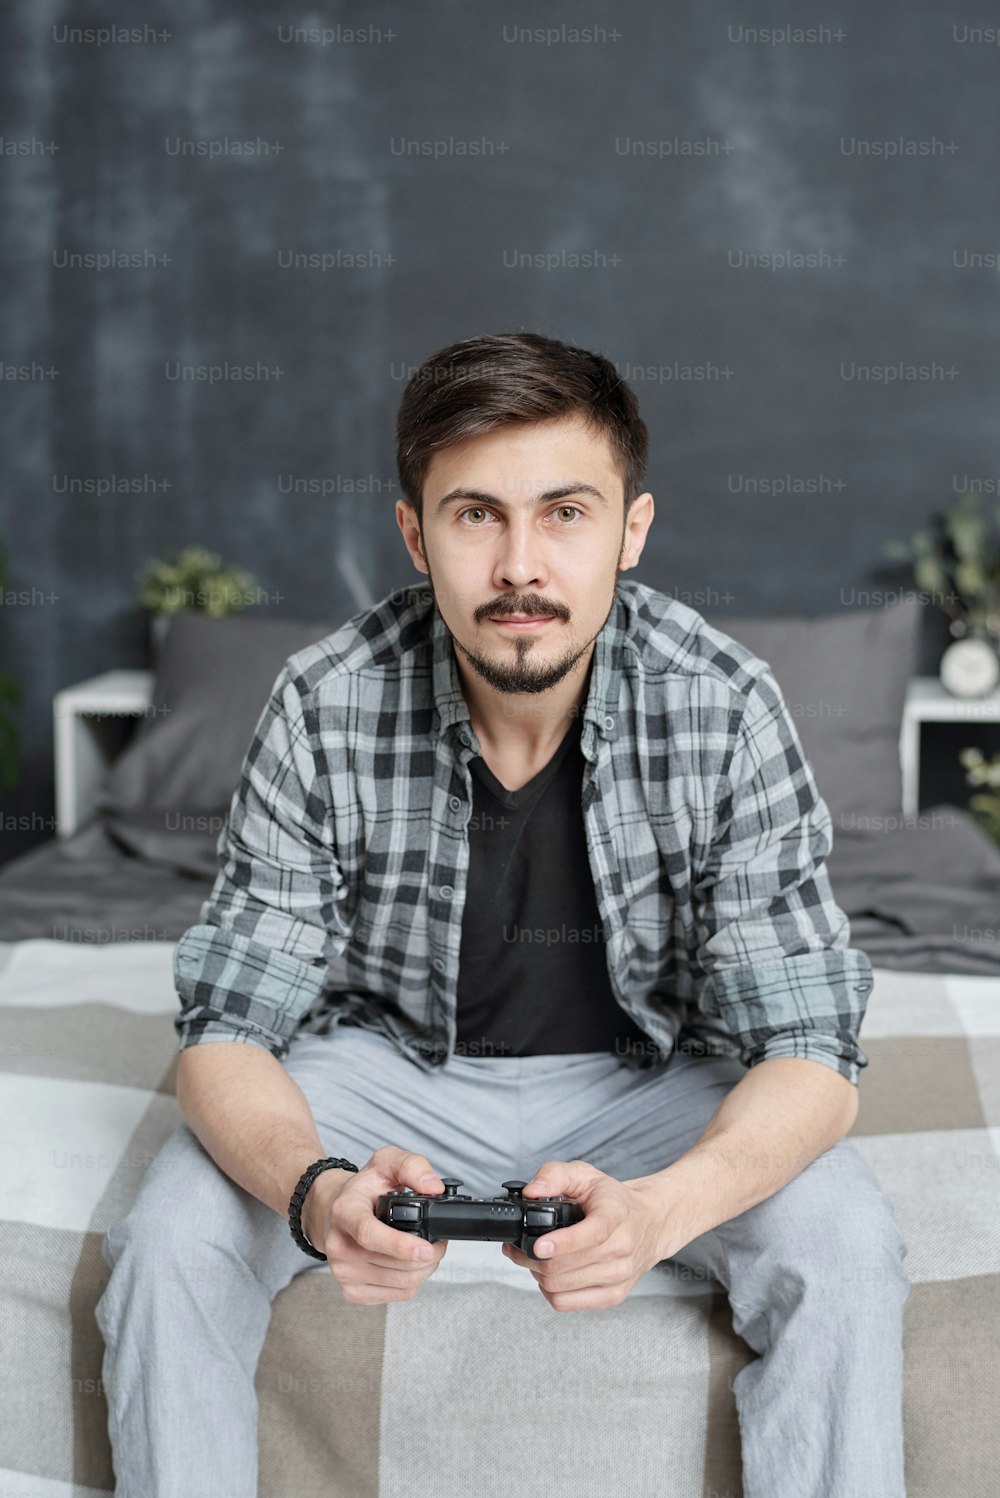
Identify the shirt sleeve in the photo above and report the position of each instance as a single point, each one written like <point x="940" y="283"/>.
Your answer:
<point x="255" y="965"/>
<point x="774" y="960"/>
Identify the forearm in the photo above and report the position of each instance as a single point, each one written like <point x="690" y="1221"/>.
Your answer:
<point x="778" y="1118"/>
<point x="251" y="1117"/>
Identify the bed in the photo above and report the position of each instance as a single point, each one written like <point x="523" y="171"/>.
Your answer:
<point x="439" y="1394"/>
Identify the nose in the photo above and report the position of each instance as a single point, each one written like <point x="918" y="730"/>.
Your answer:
<point x="519" y="562"/>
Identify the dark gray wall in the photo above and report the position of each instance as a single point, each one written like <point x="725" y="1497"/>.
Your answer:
<point x="770" y="166"/>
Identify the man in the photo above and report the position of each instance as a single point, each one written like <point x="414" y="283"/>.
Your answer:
<point x="524" y="875"/>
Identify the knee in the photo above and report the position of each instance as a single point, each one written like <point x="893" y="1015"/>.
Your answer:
<point x="149" y="1244"/>
<point x="832" y="1231"/>
<point x="864" y="1252"/>
<point x="185" y="1220"/>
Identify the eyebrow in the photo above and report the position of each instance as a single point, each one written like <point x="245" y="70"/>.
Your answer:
<point x="480" y="497"/>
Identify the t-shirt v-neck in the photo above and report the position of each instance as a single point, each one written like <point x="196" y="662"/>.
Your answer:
<point x="533" y="973"/>
<point x="537" y="782"/>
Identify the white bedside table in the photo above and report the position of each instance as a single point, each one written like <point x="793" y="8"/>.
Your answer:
<point x="87" y="728"/>
<point x="928" y="702"/>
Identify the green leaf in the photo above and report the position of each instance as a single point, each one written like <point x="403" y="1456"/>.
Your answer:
<point x="970" y="579"/>
<point x="967" y="536"/>
<point x="897" y="551"/>
<point x="930" y="575"/>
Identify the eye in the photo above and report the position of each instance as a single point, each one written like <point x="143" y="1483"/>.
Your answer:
<point x="482" y="510"/>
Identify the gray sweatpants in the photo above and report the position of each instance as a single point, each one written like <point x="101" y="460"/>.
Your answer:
<point x="814" y="1274"/>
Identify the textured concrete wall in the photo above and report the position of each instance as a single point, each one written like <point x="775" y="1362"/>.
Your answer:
<point x="457" y="167"/>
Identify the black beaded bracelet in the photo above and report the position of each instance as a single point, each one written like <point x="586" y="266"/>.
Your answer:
<point x="299" y="1195"/>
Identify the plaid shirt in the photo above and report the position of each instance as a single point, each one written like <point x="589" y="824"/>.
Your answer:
<point x="344" y="856"/>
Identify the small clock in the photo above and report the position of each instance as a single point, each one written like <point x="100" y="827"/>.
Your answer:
<point x="970" y="667"/>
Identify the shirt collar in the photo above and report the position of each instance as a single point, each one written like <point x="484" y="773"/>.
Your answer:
<point x="602" y="704"/>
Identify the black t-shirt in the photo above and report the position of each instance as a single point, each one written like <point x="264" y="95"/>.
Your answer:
<point x="533" y="975"/>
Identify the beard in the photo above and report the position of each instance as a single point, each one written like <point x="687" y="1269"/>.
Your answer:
<point x="518" y="672"/>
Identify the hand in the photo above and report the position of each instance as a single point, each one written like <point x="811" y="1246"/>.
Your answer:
<point x="371" y="1261"/>
<point x="595" y="1263"/>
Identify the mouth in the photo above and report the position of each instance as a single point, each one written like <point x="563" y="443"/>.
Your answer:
<point x="533" y="623"/>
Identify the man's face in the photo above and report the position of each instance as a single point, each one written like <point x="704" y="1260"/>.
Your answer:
<point x="497" y="549"/>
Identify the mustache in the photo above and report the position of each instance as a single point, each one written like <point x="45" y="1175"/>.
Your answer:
<point x="504" y="609"/>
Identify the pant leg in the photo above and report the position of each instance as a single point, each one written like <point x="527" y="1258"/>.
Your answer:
<point x="194" y="1264"/>
<point x="817" y="1287"/>
<point x="815" y="1280"/>
<point x="197" y="1260"/>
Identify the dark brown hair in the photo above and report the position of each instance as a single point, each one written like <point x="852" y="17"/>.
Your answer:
<point x="482" y="383"/>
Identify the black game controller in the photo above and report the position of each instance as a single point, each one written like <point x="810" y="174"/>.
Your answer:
<point x="500" y="1219"/>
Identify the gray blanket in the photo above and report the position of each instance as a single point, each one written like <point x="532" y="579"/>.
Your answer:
<point x="923" y="896"/>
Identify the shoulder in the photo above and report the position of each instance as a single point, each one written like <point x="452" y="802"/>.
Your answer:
<point x="383" y="640"/>
<point x="668" y="640"/>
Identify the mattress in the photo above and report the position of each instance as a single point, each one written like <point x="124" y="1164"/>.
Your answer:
<point x="443" y="1394"/>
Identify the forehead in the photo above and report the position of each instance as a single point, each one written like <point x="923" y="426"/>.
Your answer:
<point x="528" y="455"/>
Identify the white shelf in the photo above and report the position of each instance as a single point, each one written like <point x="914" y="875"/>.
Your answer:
<point x="927" y="701"/>
<point x="84" y="748"/>
<point x="86" y="720"/>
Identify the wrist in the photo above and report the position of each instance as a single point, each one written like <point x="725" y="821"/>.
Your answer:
<point x="686" y="1198"/>
<point x="323" y="1192"/>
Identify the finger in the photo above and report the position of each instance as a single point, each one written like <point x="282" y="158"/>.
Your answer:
<point x="518" y="1256"/>
<point x="371" y="1295"/>
<point x="549" y="1179"/>
<point x="409" y="1266"/>
<point x="406" y="1168"/>
<point x="590" y="1277"/>
<point x="569" y="1277"/>
<point x="593" y="1299"/>
<point x="374" y="1237"/>
<point x="581" y="1238"/>
<point x="567" y="1178"/>
<point x="391" y="1167"/>
<point x="348" y="1272"/>
<point x="537" y="1267"/>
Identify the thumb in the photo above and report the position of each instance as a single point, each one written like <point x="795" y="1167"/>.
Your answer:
<point x="408" y="1168"/>
<point x="561" y="1178"/>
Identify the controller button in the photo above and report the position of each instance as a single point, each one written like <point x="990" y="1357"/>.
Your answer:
<point x="404" y="1212"/>
<point x="539" y="1219"/>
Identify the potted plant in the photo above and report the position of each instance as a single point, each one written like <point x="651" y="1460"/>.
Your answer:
<point x="982" y="772"/>
<point x="194" y="579"/>
<point x="957" y="560"/>
<point x="10" y="697"/>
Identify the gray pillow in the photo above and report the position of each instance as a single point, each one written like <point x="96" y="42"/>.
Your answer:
<point x="844" y="678"/>
<point x="168" y="792"/>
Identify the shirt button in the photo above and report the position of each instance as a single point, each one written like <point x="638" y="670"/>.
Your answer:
<point x="455" y="802"/>
<point x="609" y="721"/>
<point x="438" y="964"/>
<point x="446" y="891"/>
